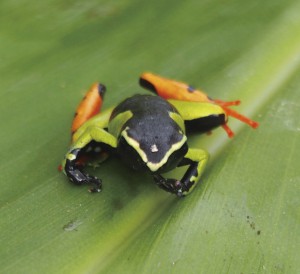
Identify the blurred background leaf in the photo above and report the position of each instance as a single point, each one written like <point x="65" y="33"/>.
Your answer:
<point x="242" y="218"/>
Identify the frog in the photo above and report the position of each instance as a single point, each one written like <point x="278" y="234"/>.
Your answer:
<point x="148" y="132"/>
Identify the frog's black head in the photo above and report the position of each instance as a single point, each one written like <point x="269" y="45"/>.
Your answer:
<point x="152" y="138"/>
<point x="155" y="152"/>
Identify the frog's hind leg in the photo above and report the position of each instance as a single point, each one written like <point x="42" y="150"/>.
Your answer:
<point x="89" y="106"/>
<point x="171" y="89"/>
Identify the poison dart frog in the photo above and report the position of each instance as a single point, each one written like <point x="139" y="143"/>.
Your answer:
<point x="148" y="132"/>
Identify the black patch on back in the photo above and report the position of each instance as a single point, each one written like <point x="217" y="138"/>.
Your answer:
<point x="191" y="89"/>
<point x="204" y="124"/>
<point x="147" y="85"/>
<point x="101" y="90"/>
<point x="143" y="106"/>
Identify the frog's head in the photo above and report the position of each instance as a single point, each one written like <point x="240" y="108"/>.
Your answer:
<point x="158" y="149"/>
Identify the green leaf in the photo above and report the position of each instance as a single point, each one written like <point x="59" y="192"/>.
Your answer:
<point x="243" y="217"/>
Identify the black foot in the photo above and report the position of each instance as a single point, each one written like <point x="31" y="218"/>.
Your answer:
<point x="96" y="184"/>
<point x="170" y="185"/>
<point x="78" y="177"/>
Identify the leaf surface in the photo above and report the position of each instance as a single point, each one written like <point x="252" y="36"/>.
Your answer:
<point x="242" y="218"/>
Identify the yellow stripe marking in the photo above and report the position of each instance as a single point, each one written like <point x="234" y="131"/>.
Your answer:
<point x="152" y="166"/>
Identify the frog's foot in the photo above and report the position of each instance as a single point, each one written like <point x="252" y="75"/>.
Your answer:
<point x="170" y="185"/>
<point x="78" y="177"/>
<point x="96" y="184"/>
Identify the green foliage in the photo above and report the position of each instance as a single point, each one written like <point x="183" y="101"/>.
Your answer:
<point x="244" y="216"/>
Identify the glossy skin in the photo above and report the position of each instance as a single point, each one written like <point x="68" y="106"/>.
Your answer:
<point x="147" y="132"/>
<point x="150" y="134"/>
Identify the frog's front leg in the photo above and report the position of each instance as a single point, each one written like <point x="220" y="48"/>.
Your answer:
<point x="74" y="172"/>
<point x="197" y="160"/>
